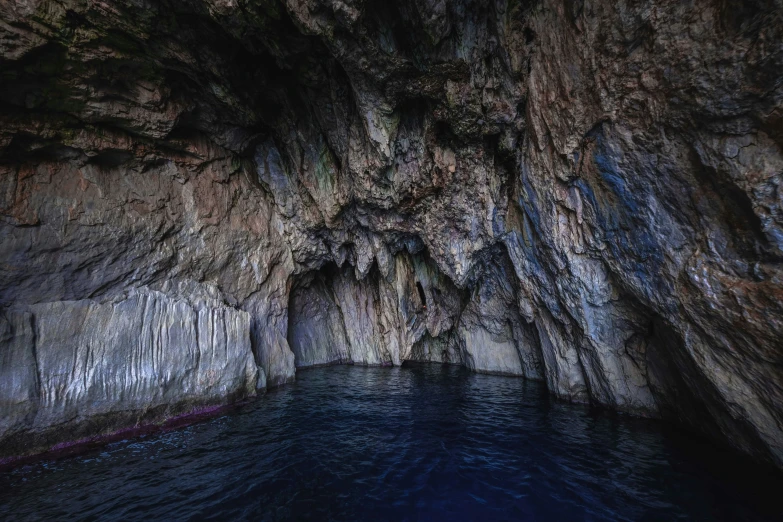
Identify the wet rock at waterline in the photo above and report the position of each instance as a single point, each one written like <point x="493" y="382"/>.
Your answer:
<point x="585" y="193"/>
<point x="82" y="368"/>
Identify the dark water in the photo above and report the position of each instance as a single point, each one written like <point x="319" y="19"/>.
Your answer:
<point x="426" y="442"/>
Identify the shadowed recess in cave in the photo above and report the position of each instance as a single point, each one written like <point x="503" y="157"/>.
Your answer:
<point x="422" y="297"/>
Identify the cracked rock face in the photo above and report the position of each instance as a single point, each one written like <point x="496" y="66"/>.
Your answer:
<point x="199" y="197"/>
<point x="75" y="365"/>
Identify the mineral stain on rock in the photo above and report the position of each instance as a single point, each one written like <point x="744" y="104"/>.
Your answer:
<point x="197" y="198"/>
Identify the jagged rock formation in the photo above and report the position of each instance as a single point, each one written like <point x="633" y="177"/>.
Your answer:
<point x="582" y="192"/>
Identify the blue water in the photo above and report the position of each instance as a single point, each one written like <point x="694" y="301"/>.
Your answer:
<point x="414" y="443"/>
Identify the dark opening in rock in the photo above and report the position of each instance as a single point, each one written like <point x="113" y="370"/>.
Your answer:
<point x="421" y="295"/>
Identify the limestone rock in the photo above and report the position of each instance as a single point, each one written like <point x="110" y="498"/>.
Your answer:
<point x="583" y="192"/>
<point x="68" y="364"/>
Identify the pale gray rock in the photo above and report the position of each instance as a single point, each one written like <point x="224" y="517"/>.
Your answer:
<point x="71" y="363"/>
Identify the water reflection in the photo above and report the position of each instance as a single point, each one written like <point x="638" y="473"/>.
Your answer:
<point x="403" y="443"/>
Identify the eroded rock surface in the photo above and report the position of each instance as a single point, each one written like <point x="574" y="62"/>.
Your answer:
<point x="583" y="192"/>
<point x="87" y="368"/>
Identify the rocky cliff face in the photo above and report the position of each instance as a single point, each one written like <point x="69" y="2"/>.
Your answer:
<point x="198" y="197"/>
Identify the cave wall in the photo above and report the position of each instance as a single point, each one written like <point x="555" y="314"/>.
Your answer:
<point x="83" y="367"/>
<point x="588" y="193"/>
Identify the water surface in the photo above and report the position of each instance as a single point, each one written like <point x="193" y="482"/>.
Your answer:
<point x="416" y="443"/>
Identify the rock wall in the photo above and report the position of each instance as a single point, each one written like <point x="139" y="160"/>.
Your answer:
<point x="586" y="192"/>
<point x="74" y="368"/>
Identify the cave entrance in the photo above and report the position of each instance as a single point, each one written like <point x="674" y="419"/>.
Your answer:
<point x="421" y="295"/>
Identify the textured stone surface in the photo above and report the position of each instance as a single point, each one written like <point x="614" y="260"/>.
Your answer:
<point x="587" y="192"/>
<point x="70" y="364"/>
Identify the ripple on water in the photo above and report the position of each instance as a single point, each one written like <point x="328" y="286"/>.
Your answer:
<point x="430" y="442"/>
